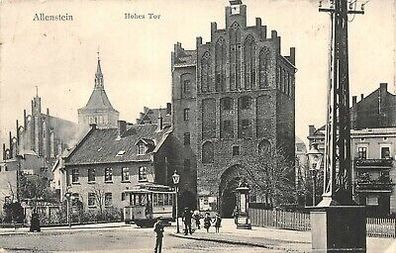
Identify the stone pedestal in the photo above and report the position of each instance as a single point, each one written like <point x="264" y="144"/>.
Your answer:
<point x="338" y="229"/>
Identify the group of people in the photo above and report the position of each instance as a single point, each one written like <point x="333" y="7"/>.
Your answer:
<point x="187" y="217"/>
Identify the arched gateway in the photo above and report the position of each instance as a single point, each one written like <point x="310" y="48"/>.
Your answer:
<point x="229" y="181"/>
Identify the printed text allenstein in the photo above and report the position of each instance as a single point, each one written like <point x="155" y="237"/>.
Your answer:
<point x="58" y="17"/>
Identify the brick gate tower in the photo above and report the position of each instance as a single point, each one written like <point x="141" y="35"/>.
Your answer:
<point x="232" y="96"/>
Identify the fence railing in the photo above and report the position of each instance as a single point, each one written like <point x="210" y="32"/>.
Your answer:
<point x="375" y="227"/>
<point x="381" y="227"/>
<point x="280" y="219"/>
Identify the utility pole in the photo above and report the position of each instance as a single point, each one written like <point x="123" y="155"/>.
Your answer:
<point x="337" y="218"/>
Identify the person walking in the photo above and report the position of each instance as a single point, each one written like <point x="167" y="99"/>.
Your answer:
<point x="187" y="216"/>
<point x="217" y="222"/>
<point x="159" y="232"/>
<point x="197" y="218"/>
<point x="207" y="222"/>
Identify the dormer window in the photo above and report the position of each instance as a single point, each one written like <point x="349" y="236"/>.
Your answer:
<point x="141" y="148"/>
<point x="121" y="153"/>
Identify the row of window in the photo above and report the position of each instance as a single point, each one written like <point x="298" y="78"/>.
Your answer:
<point x="226" y="104"/>
<point x="97" y="199"/>
<point x="208" y="150"/>
<point x="385" y="152"/>
<point x="285" y="81"/>
<point x="108" y="175"/>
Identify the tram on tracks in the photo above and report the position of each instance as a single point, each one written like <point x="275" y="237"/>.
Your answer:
<point x="147" y="202"/>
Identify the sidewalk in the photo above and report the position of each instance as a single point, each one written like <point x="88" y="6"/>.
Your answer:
<point x="25" y="230"/>
<point x="277" y="239"/>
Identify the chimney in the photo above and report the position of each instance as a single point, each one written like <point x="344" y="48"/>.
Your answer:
<point x="354" y="99"/>
<point x="160" y="121"/>
<point x="293" y="55"/>
<point x="312" y="129"/>
<point x="10" y="136"/>
<point x="24" y="119"/>
<point x="121" y="127"/>
<point x="384" y="86"/>
<point x="17" y="130"/>
<point x="168" y="108"/>
<point x="258" y="22"/>
<point x="361" y="97"/>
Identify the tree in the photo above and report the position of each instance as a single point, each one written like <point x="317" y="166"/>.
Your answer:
<point x="99" y="193"/>
<point x="35" y="188"/>
<point x="271" y="174"/>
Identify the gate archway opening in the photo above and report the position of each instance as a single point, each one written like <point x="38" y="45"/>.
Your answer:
<point x="230" y="180"/>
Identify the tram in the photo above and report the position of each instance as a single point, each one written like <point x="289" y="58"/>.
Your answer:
<point x="147" y="202"/>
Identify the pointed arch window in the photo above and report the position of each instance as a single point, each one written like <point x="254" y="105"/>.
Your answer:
<point x="235" y="56"/>
<point x="207" y="152"/>
<point x="220" y="59"/>
<point x="249" y="60"/>
<point x="264" y="67"/>
<point x="205" y="72"/>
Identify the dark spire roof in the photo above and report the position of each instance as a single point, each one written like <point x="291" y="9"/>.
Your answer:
<point x="99" y="76"/>
<point x="99" y="99"/>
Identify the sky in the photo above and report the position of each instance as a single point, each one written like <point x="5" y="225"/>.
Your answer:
<point x="60" y="57"/>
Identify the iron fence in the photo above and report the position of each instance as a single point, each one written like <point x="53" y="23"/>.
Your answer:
<point x="375" y="227"/>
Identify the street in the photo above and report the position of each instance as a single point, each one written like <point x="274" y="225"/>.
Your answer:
<point x="125" y="239"/>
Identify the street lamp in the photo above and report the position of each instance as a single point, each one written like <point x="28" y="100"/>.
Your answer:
<point x="68" y="196"/>
<point x="315" y="160"/>
<point x="176" y="179"/>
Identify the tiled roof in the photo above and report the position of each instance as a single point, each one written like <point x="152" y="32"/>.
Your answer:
<point x="103" y="145"/>
<point x="150" y="116"/>
<point x="98" y="100"/>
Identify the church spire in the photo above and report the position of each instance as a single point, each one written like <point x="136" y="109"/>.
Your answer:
<point x="99" y="76"/>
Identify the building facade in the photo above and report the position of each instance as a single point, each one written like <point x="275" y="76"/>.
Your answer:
<point x="231" y="96"/>
<point x="373" y="129"/>
<point x="373" y="154"/>
<point x="108" y="161"/>
<point x="98" y="109"/>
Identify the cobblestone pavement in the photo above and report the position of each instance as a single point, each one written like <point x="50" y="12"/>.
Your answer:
<point x="277" y="239"/>
<point x="123" y="239"/>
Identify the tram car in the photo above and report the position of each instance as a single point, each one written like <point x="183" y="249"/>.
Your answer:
<point x="147" y="202"/>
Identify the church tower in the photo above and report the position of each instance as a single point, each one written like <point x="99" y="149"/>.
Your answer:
<point x="98" y="110"/>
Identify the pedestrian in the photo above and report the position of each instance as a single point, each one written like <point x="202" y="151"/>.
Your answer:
<point x="197" y="218"/>
<point x="187" y="216"/>
<point x="235" y="213"/>
<point x="217" y="222"/>
<point x="207" y="222"/>
<point x="159" y="232"/>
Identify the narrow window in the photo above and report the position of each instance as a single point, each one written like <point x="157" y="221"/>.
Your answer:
<point x="142" y="174"/>
<point x="108" y="175"/>
<point x="141" y="149"/>
<point x="91" y="199"/>
<point x="187" y="138"/>
<point x="207" y="152"/>
<point x="75" y="176"/>
<point x="91" y="175"/>
<point x="108" y="199"/>
<point x="362" y="152"/>
<point x="186" y="114"/>
<point x="186" y="87"/>
<point x="125" y="174"/>
<point x="385" y="152"/>
<point x="235" y="150"/>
